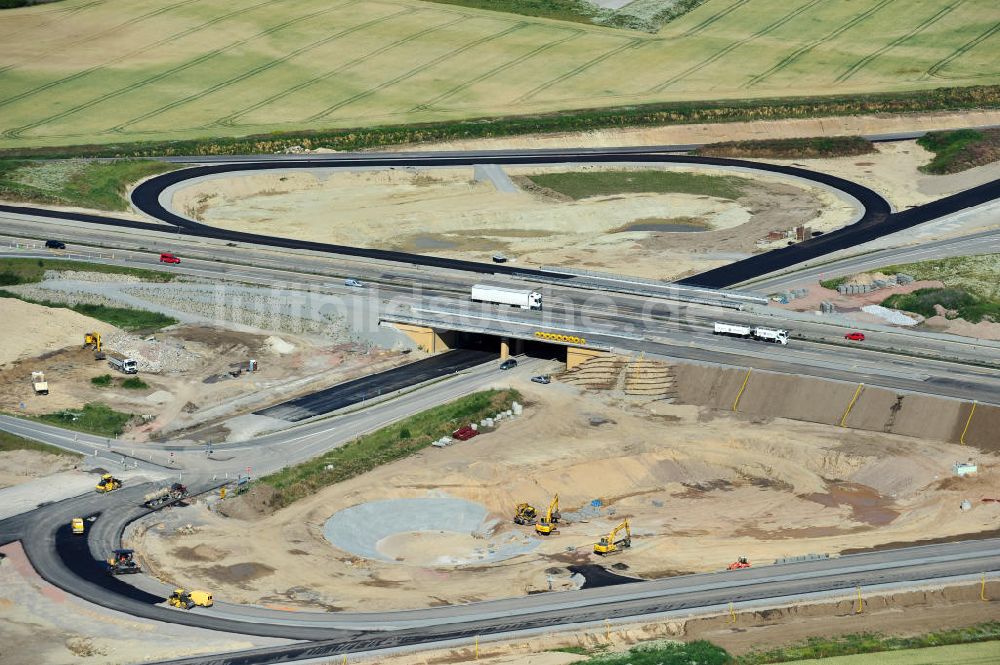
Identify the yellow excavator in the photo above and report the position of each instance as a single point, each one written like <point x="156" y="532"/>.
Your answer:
<point x="547" y="525"/>
<point x="609" y="544"/>
<point x="93" y="339"/>
<point x="525" y="513"/>
<point x="108" y="484"/>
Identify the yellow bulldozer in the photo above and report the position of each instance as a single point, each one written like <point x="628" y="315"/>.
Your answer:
<point x="611" y="544"/>
<point x="547" y="525"/>
<point x="525" y="514"/>
<point x="108" y="484"/>
<point x="188" y="599"/>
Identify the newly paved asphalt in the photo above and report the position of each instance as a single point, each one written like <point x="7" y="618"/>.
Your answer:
<point x="374" y="386"/>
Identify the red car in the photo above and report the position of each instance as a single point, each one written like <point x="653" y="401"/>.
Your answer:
<point x="855" y="336"/>
<point x="167" y="257"/>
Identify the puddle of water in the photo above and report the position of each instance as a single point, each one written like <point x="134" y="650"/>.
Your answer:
<point x="429" y="241"/>
<point x="662" y="227"/>
<point x="867" y="505"/>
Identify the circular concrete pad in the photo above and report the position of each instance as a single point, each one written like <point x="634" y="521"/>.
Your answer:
<point x="423" y="532"/>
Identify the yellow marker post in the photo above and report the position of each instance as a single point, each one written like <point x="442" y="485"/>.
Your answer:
<point x="982" y="589"/>
<point x="345" y="659"/>
<point x="222" y="493"/>
<point x="850" y="406"/>
<point x="732" y="614"/>
<point x="607" y="630"/>
<point x="967" y="422"/>
<point x="746" y="378"/>
<point x="861" y="605"/>
<point x="477" y="647"/>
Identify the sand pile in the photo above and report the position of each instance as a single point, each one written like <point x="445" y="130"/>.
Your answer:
<point x="153" y="355"/>
<point x="30" y="330"/>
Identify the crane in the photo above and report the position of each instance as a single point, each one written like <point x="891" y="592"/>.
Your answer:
<point x="547" y="524"/>
<point x="608" y="544"/>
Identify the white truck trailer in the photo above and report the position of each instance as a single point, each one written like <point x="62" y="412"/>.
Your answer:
<point x="122" y="364"/>
<point x="501" y="295"/>
<point x="39" y="383"/>
<point x="773" y="335"/>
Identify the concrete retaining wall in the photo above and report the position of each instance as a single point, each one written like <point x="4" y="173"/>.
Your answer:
<point x="822" y="401"/>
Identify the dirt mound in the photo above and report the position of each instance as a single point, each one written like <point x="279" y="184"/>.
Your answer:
<point x="30" y="330"/>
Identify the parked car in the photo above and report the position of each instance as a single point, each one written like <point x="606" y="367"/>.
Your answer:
<point x="167" y="257"/>
<point x="353" y="282"/>
<point x="855" y="336"/>
<point x="510" y="363"/>
<point x="55" y="244"/>
<point x="543" y="379"/>
<point x="499" y="258"/>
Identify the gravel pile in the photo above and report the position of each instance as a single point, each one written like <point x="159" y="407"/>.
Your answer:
<point x="82" y="276"/>
<point x="153" y="355"/>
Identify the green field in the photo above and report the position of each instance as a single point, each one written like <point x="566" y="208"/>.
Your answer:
<point x="75" y="182"/>
<point x="983" y="653"/>
<point x="82" y="72"/>
<point x="582" y="184"/>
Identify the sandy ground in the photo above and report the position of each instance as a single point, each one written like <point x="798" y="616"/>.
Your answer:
<point x="766" y="488"/>
<point x="730" y="131"/>
<point x="447" y="212"/>
<point x="43" y="625"/>
<point x="30" y="330"/>
<point x="21" y="466"/>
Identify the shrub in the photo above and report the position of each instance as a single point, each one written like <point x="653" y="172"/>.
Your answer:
<point x="102" y="381"/>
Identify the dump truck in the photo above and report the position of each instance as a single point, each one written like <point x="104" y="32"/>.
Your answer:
<point x="39" y="383"/>
<point x="122" y="562"/>
<point x="525" y="513"/>
<point x="502" y="295"/>
<point x="77" y="525"/>
<point x="761" y="333"/>
<point x="108" y="484"/>
<point x="611" y="544"/>
<point x="165" y="496"/>
<point x="123" y="364"/>
<point x="188" y="599"/>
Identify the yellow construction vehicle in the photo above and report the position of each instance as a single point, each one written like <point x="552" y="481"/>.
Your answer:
<point x="108" y="484"/>
<point x="77" y="524"/>
<point x="188" y="599"/>
<point x="92" y="339"/>
<point x="547" y="525"/>
<point x="525" y="514"/>
<point x="609" y="544"/>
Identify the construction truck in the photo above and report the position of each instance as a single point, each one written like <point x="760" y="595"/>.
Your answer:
<point x="741" y="562"/>
<point x="611" y="544"/>
<point x="77" y="525"/>
<point x="123" y="364"/>
<point x="743" y="331"/>
<point x="39" y="383"/>
<point x="108" y="484"/>
<point x="525" y="513"/>
<point x="547" y="525"/>
<point x="165" y="496"/>
<point x="188" y="599"/>
<point x="122" y="562"/>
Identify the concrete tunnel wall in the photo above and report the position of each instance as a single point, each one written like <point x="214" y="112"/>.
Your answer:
<point x="824" y="401"/>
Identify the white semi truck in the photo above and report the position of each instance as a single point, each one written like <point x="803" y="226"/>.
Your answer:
<point x="773" y="335"/>
<point x="122" y="364"/>
<point x="501" y="295"/>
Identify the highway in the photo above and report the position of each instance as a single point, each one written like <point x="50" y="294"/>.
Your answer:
<point x="618" y="318"/>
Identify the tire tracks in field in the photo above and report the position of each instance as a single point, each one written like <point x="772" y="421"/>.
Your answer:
<point x="131" y="54"/>
<point x="630" y="44"/>
<point x="416" y="70"/>
<point x="933" y="70"/>
<point x="660" y="87"/>
<point x="868" y="59"/>
<point x="64" y="11"/>
<point x="260" y="68"/>
<point x="204" y="57"/>
<point x="496" y="70"/>
<point x="713" y="18"/>
<point x="230" y="120"/>
<point x="809" y="46"/>
<point x="130" y="22"/>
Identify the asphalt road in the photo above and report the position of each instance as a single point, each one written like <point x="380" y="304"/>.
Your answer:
<point x="376" y="385"/>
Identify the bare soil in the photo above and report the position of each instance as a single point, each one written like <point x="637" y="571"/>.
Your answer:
<point x="29" y="330"/>
<point x="698" y="487"/>
<point x="21" y="466"/>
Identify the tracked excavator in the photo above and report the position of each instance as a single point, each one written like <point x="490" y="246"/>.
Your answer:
<point x="547" y="525"/>
<point x="525" y="514"/>
<point x="93" y="340"/>
<point x="108" y="484"/>
<point x="611" y="544"/>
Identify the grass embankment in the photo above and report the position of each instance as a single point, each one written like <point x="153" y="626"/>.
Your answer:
<point x="10" y="442"/>
<point x="132" y="320"/>
<point x="972" y="287"/>
<point x="87" y="184"/>
<point x="579" y="120"/>
<point x="93" y="418"/>
<point x="961" y="149"/>
<point x="582" y="184"/>
<point x="29" y="271"/>
<point x="801" y="148"/>
<point x="385" y="445"/>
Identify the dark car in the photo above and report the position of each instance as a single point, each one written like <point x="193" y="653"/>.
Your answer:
<point x="855" y="336"/>
<point x="55" y="244"/>
<point x="543" y="379"/>
<point x="510" y="363"/>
